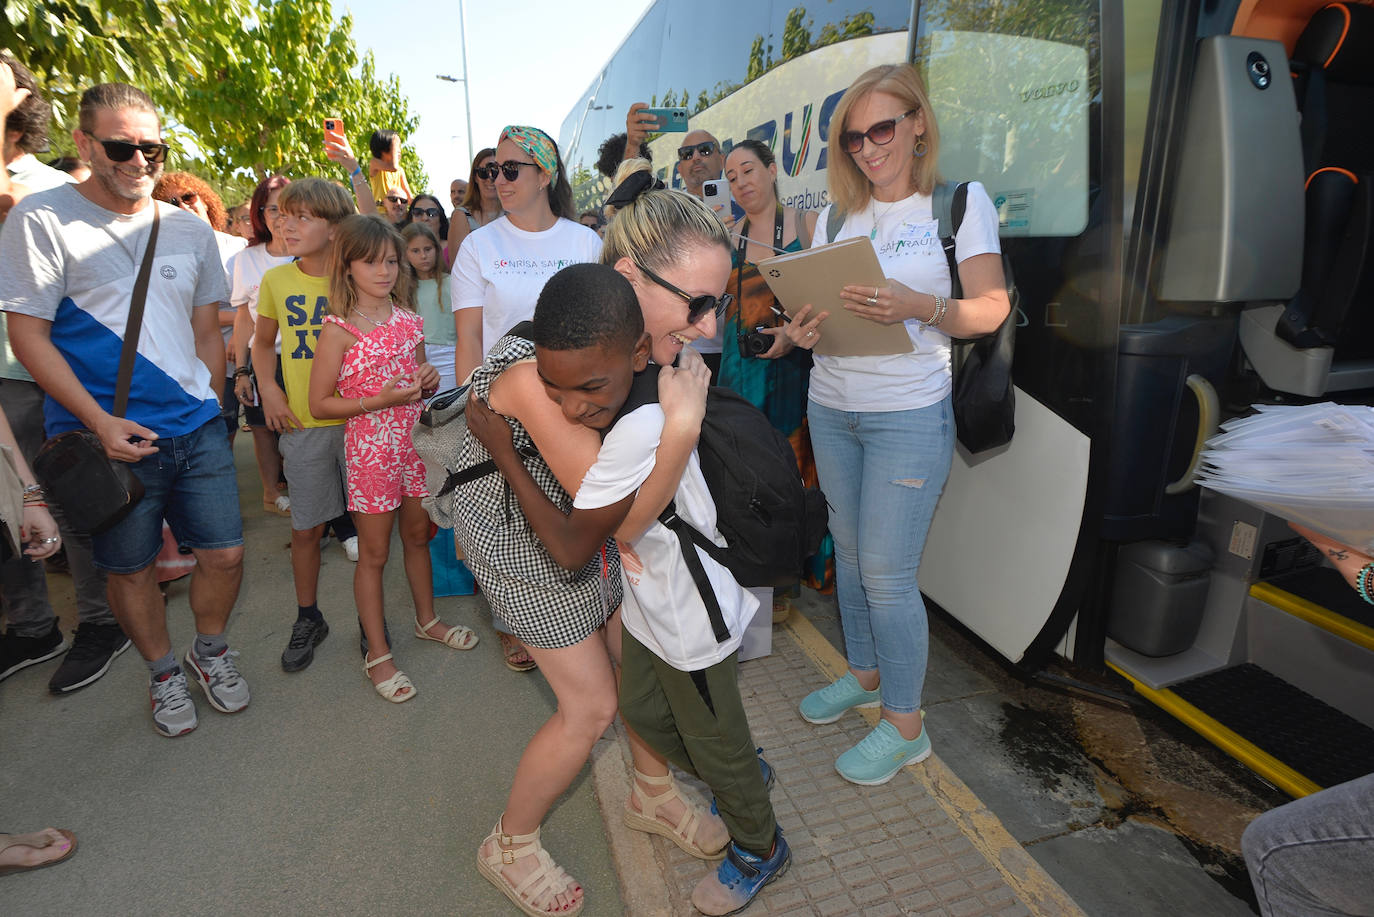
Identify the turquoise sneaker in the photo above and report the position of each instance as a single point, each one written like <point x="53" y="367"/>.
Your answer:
<point x="828" y="704"/>
<point x="880" y="754"/>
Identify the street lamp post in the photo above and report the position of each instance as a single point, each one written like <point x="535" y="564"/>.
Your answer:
<point x="463" y="47"/>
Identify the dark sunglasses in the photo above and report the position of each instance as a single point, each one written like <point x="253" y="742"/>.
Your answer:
<point x="511" y="168"/>
<point x="697" y="306"/>
<point x="432" y="213"/>
<point x="881" y="134"/>
<point x="487" y="172"/>
<point x="684" y="153"/>
<point x="397" y="200"/>
<point x="123" y="151"/>
<point x="189" y="199"/>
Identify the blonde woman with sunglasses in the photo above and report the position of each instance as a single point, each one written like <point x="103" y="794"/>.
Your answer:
<point x="882" y="426"/>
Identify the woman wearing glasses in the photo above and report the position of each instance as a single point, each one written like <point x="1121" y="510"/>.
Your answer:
<point x="265" y="250"/>
<point x="677" y="258"/>
<point x="882" y="426"/>
<point x="480" y="204"/>
<point x="500" y="268"/>
<point x="427" y="211"/>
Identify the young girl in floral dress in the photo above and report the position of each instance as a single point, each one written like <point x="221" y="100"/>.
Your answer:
<point x="370" y="368"/>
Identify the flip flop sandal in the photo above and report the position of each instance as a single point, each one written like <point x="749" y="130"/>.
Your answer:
<point x="38" y="840"/>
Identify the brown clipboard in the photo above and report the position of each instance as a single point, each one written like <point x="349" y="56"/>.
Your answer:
<point x="815" y="276"/>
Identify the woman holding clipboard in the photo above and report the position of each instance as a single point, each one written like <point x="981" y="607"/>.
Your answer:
<point x="882" y="426"/>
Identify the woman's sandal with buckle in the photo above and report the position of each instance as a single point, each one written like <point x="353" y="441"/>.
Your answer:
<point x="456" y="637"/>
<point x="540" y="887"/>
<point x="684" y="833"/>
<point x="391" y="688"/>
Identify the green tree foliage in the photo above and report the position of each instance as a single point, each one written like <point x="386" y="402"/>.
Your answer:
<point x="243" y="85"/>
<point x="796" y="34"/>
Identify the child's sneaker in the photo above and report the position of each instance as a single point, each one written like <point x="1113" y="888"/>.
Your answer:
<point x="218" y="676"/>
<point x="174" y="713"/>
<point x="880" y="754"/>
<point x="739" y="878"/>
<point x="828" y="704"/>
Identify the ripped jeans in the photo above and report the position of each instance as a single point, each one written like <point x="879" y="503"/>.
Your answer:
<point x="882" y="473"/>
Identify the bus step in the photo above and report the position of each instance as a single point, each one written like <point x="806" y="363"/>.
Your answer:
<point x="1321" y="597"/>
<point x="1313" y="738"/>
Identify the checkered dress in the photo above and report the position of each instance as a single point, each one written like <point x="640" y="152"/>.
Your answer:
<point x="545" y="605"/>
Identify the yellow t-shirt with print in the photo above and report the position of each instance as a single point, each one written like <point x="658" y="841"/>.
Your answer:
<point x="298" y="304"/>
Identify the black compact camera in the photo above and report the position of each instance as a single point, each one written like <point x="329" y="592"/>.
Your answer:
<point x="754" y="343"/>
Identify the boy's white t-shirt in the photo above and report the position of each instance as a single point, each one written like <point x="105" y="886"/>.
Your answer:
<point x="501" y="270"/>
<point x="662" y="607"/>
<point x="909" y="251"/>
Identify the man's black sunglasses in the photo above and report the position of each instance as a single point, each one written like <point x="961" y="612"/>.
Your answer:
<point x="697" y="306"/>
<point x="123" y="151"/>
<point x="707" y="148"/>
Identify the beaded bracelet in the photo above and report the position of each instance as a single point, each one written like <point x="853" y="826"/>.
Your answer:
<point x="242" y="371"/>
<point x="936" y="317"/>
<point x="1364" y="581"/>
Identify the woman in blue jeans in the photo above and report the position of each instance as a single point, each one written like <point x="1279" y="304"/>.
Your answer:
<point x="881" y="426"/>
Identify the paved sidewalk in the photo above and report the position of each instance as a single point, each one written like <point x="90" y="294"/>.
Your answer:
<point x="922" y="844"/>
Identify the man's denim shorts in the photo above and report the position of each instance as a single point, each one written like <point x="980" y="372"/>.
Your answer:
<point x="191" y="482"/>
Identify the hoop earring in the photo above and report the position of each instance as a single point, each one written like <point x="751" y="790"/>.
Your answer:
<point x="920" y="148"/>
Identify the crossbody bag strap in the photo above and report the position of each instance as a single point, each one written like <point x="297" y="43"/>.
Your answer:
<point x="129" y="352"/>
<point x="687" y="540"/>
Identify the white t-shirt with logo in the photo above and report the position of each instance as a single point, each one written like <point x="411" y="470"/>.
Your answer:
<point x="501" y="270"/>
<point x="245" y="276"/>
<point x="73" y="263"/>
<point x="908" y="246"/>
<point x="662" y="607"/>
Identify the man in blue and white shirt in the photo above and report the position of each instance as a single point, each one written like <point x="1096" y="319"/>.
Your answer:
<point x="71" y="255"/>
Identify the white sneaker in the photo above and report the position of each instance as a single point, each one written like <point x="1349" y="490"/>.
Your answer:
<point x="350" y="546"/>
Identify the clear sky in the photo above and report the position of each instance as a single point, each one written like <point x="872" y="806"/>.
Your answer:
<point x="529" y="60"/>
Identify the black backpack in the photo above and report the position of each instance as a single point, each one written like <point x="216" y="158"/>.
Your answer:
<point x="771" y="522"/>
<point x="983" y="398"/>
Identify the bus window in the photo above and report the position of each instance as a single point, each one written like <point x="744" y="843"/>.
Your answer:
<point x="1012" y="85"/>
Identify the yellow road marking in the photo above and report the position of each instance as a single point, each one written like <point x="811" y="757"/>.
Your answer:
<point x="1028" y="880"/>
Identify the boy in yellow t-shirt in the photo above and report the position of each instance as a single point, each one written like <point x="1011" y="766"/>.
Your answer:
<point x="384" y="172"/>
<point x="294" y="298"/>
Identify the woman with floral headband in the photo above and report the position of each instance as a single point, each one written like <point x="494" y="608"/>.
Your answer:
<point x="501" y="268"/>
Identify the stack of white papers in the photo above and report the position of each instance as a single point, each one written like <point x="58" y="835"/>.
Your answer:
<point x="1310" y="464"/>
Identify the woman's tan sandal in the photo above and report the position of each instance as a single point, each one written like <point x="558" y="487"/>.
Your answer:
<point x="702" y="837"/>
<point x="456" y="637"/>
<point x="391" y="688"/>
<point x="537" y="894"/>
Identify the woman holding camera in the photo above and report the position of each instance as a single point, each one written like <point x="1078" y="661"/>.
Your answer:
<point x="882" y="426"/>
<point x="757" y="361"/>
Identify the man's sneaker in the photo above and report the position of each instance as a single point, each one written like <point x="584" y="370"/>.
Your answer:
<point x="828" y="704"/>
<point x="94" y="647"/>
<point x="880" y="754"/>
<point x="218" y="676"/>
<point x="350" y="546"/>
<point x="739" y="878"/>
<point x="306" y="634"/>
<point x="21" y="652"/>
<point x="174" y="714"/>
<point x="362" y="637"/>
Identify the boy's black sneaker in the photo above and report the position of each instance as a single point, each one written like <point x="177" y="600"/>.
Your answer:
<point x="94" y="647"/>
<point x="21" y="652"/>
<point x="306" y="634"/>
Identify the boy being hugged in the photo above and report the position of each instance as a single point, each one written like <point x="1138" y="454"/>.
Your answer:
<point x="295" y="299"/>
<point x="679" y="687"/>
